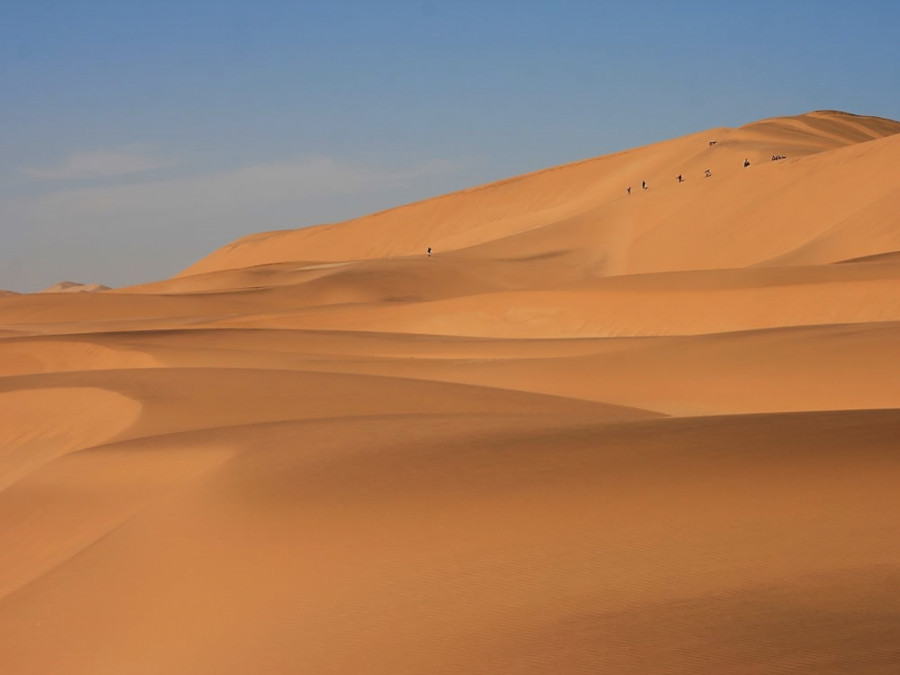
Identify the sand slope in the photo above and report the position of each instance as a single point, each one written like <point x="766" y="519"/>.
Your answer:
<point x="594" y="433"/>
<point x="593" y="192"/>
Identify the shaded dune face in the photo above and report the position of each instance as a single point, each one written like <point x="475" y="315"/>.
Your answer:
<point x="593" y="432"/>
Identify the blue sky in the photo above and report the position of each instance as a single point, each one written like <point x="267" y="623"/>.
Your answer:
<point x="135" y="137"/>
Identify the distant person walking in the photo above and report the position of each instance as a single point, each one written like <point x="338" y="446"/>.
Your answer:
<point x="746" y="163"/>
<point x="628" y="189"/>
<point x="643" y="185"/>
<point x="428" y="252"/>
<point x="680" y="179"/>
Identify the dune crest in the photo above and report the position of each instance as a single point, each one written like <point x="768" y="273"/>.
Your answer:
<point x="594" y="191"/>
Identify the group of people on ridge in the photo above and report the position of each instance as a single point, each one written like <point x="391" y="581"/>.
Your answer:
<point x="707" y="174"/>
<point x="679" y="178"/>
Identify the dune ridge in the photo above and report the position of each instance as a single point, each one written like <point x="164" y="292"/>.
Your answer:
<point x="593" y="432"/>
<point x="551" y="196"/>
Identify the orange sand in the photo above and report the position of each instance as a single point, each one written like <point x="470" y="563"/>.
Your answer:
<point x="594" y="433"/>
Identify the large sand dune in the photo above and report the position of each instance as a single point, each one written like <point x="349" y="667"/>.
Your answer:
<point x="593" y="433"/>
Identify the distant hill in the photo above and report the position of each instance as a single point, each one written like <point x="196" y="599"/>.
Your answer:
<point x="74" y="287"/>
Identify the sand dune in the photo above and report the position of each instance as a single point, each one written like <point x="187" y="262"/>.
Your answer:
<point x="496" y="544"/>
<point x="23" y="357"/>
<point x="668" y="304"/>
<point x="594" y="432"/>
<point x="552" y="196"/>
<point x="40" y="424"/>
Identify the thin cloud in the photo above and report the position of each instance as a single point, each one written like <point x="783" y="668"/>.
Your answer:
<point x="119" y="234"/>
<point x="121" y="161"/>
<point x="284" y="188"/>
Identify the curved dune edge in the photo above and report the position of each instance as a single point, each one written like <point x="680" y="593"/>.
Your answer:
<point x="606" y="312"/>
<point x="38" y="425"/>
<point x="816" y="368"/>
<point x="54" y="356"/>
<point x="91" y="493"/>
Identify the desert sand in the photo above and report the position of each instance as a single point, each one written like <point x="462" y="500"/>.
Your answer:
<point x="594" y="432"/>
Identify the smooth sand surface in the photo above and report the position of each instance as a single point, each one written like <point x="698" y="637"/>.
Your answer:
<point x="593" y="433"/>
